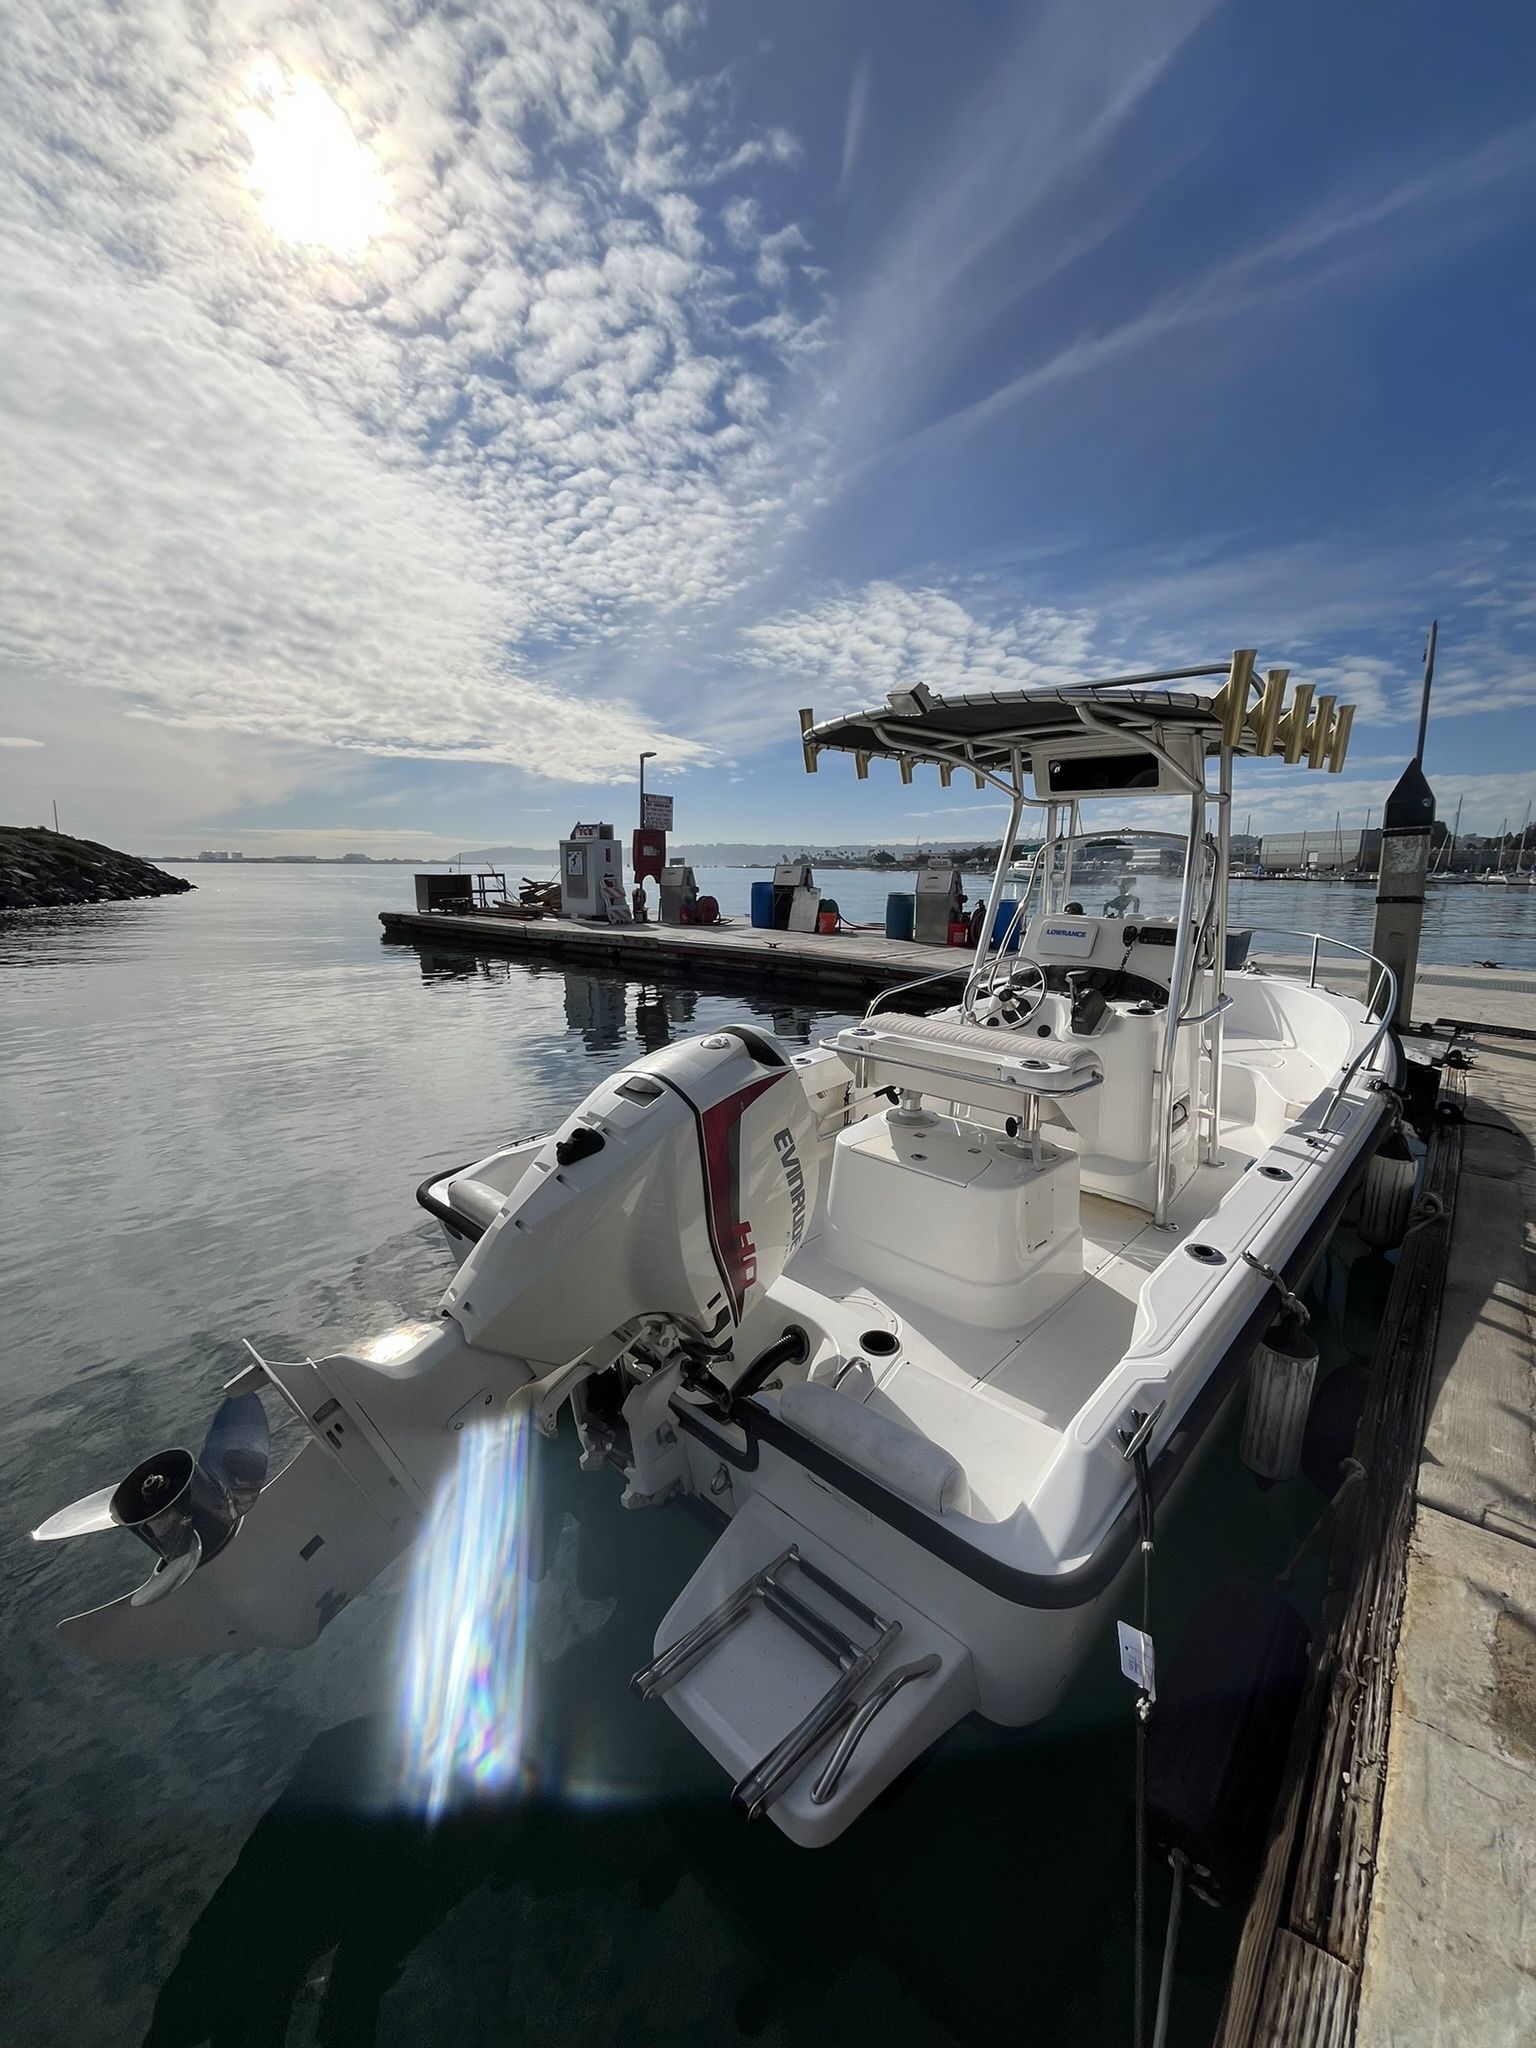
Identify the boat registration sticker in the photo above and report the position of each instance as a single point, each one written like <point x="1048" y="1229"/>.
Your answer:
<point x="1137" y="1659"/>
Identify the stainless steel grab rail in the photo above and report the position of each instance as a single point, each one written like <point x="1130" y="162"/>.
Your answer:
<point x="1316" y="939"/>
<point x="689" y="1648"/>
<point x="837" y="1706"/>
<point x="1010" y="1072"/>
<point x="905" y="987"/>
<point x="858" y="1720"/>
<point x="998" y="948"/>
<point x="752" y="1794"/>
<point x="1216" y="1010"/>
<point x="1384" y="984"/>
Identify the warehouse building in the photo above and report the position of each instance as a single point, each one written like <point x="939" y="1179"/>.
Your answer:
<point x="1327" y="850"/>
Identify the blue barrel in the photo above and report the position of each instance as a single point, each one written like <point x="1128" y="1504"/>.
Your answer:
<point x="1001" y="922"/>
<point x="762" y="905"/>
<point x="898" y="916"/>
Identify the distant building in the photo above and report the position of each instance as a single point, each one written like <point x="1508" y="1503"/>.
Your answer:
<point x="212" y="853"/>
<point x="357" y="856"/>
<point x="1324" y="851"/>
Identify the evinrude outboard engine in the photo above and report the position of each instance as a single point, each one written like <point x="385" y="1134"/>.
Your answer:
<point x="655" y="1217"/>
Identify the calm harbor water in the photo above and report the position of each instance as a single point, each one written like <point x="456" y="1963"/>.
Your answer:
<point x="213" y="1114"/>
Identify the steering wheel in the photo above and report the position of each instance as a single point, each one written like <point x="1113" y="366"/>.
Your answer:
<point x="1020" y="973"/>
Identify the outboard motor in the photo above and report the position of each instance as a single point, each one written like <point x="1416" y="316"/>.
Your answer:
<point x="655" y="1217"/>
<point x="680" y="1187"/>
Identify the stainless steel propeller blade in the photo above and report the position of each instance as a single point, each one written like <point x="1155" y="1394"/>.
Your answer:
<point x="235" y="1451"/>
<point x="165" y="1578"/>
<point x="80" y="1518"/>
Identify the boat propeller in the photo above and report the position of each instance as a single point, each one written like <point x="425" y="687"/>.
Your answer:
<point x="184" y="1508"/>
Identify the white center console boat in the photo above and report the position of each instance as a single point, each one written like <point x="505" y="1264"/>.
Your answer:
<point x="902" y="1310"/>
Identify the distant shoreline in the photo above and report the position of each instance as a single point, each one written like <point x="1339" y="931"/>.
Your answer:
<point x="306" y="860"/>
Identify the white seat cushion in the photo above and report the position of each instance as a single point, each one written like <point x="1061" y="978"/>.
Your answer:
<point x="877" y="1444"/>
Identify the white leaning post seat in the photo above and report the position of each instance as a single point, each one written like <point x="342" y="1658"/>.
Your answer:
<point x="888" y="1450"/>
<point x="988" y="1066"/>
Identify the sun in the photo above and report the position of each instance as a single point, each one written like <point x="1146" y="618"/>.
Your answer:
<point x="313" y="182"/>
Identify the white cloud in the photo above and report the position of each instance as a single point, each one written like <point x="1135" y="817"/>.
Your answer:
<point x="853" y="122"/>
<point x="12" y="741"/>
<point x="358" y="503"/>
<point x="1283" y="800"/>
<point x="773" y="253"/>
<point x="885" y="634"/>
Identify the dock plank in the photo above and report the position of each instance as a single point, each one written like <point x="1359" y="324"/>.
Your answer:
<point x="1403" y="1857"/>
<point x="1309" y="1997"/>
<point x="1480" y="1445"/>
<point x="1452" y="1935"/>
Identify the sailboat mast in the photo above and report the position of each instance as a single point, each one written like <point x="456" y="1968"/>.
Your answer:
<point x="1450" y="858"/>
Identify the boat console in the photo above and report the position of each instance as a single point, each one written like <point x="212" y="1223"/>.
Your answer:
<point x="943" y="1212"/>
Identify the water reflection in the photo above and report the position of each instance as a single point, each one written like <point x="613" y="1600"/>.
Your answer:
<point x="662" y="1014"/>
<point x="452" y="963"/>
<point x="596" y="1009"/>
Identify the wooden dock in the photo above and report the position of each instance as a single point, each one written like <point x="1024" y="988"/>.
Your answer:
<point x="1393" y="1908"/>
<point x="864" y="962"/>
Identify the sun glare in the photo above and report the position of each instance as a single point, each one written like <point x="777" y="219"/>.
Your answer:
<point x="313" y="181"/>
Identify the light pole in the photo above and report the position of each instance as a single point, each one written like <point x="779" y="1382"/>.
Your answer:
<point x="641" y="914"/>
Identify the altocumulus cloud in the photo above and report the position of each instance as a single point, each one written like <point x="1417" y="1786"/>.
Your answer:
<point x="383" y="498"/>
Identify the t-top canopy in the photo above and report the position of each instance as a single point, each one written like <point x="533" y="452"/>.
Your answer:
<point x="988" y="734"/>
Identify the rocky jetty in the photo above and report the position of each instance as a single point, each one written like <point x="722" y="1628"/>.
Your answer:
<point x="42" y="869"/>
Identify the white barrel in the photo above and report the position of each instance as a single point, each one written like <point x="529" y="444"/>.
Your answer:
<point x="1386" y="1196"/>
<point x="1281" y="1376"/>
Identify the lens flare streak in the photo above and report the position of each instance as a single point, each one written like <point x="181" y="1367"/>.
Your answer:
<point x="465" y="1699"/>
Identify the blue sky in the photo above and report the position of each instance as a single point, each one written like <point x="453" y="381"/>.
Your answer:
<point x="411" y="415"/>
